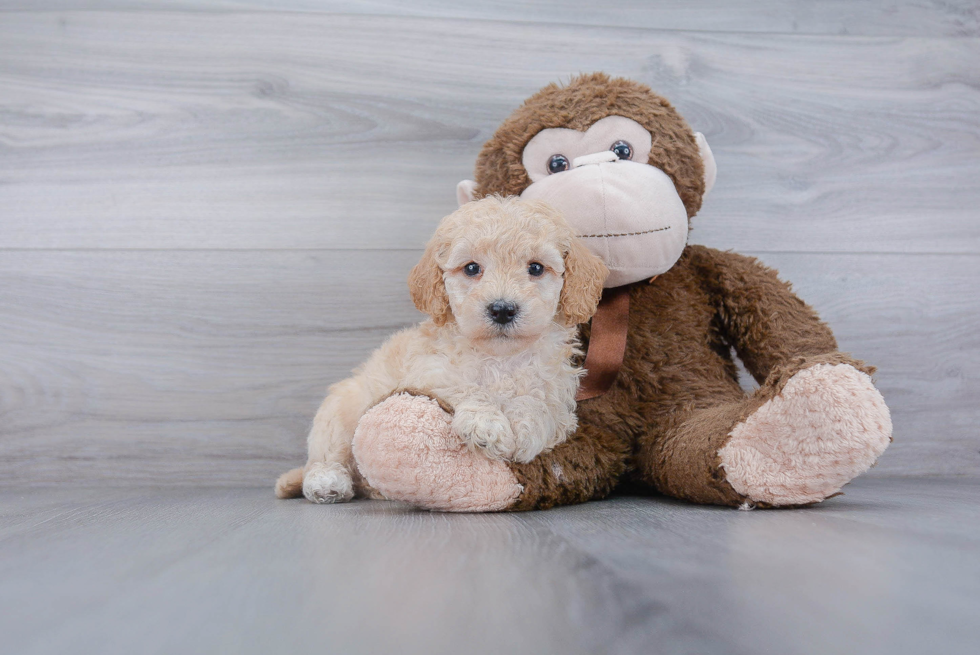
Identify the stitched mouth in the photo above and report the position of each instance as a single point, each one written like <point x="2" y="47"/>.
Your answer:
<point x="624" y="234"/>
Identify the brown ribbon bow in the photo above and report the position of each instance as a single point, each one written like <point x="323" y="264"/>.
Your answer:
<point x="607" y="343"/>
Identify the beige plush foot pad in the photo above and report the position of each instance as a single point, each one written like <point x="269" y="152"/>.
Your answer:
<point x="405" y="448"/>
<point x="828" y="425"/>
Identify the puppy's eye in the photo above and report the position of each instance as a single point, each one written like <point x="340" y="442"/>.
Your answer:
<point x="535" y="269"/>
<point x="558" y="163"/>
<point x="472" y="269"/>
<point x="622" y="149"/>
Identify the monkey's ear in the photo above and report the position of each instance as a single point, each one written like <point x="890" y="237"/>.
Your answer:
<point x="584" y="276"/>
<point x="465" y="192"/>
<point x="428" y="289"/>
<point x="708" y="159"/>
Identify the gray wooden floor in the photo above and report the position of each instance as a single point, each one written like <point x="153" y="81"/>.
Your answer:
<point x="891" y="567"/>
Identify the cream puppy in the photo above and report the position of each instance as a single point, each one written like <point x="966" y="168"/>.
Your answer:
<point x="505" y="282"/>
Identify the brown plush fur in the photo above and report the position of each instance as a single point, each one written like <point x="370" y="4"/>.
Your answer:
<point x="577" y="106"/>
<point x="677" y="396"/>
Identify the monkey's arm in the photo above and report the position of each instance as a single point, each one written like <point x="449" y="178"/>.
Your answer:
<point x="759" y="315"/>
<point x="815" y="423"/>
<point x="585" y="467"/>
<point x="406" y="449"/>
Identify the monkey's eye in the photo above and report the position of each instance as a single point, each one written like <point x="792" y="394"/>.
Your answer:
<point x="558" y="163"/>
<point x="472" y="269"/>
<point x="535" y="269"/>
<point x="622" y="149"/>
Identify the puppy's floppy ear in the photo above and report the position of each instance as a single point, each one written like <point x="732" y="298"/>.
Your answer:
<point x="428" y="288"/>
<point x="584" y="276"/>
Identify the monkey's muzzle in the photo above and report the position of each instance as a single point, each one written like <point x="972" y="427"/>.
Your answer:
<point x="628" y="213"/>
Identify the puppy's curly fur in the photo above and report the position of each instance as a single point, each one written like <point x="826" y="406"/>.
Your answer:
<point x="510" y="384"/>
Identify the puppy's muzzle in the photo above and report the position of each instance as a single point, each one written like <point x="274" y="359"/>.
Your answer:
<point x="502" y="312"/>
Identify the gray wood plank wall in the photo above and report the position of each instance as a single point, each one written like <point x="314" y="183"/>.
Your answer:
<point x="208" y="209"/>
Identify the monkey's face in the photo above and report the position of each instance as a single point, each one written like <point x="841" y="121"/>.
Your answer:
<point x="626" y="210"/>
<point x="615" y="158"/>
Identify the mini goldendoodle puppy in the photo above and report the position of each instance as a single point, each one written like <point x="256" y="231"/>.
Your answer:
<point x="505" y="282"/>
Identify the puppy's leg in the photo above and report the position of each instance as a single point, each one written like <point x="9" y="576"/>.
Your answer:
<point x="482" y="424"/>
<point x="534" y="427"/>
<point x="327" y="475"/>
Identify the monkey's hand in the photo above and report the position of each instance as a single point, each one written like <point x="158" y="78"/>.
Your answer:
<point x="405" y="448"/>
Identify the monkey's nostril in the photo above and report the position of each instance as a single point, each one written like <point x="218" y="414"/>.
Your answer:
<point x="502" y="312"/>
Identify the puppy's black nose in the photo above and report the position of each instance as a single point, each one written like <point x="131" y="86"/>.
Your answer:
<point x="502" y="312"/>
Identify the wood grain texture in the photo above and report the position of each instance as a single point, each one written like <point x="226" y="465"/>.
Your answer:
<point x="306" y="130"/>
<point x="182" y="367"/>
<point x="208" y="210"/>
<point x="206" y="367"/>
<point x="889" y="568"/>
<point x="850" y="17"/>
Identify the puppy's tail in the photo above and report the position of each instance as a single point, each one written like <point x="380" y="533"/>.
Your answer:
<point x="290" y="484"/>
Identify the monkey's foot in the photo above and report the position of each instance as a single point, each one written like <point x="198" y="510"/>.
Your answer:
<point x="406" y="449"/>
<point x="827" y="426"/>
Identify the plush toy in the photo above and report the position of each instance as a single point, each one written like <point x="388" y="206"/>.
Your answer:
<point x="662" y="404"/>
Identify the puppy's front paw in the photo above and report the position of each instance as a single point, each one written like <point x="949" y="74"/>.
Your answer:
<point x="487" y="428"/>
<point x="529" y="443"/>
<point x="535" y="430"/>
<point x="327" y="483"/>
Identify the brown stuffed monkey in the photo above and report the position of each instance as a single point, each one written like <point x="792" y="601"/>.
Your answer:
<point x="662" y="404"/>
